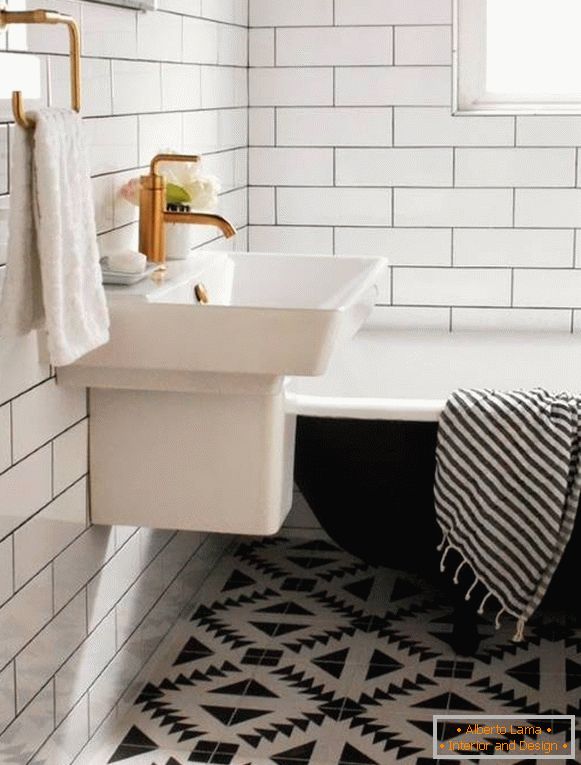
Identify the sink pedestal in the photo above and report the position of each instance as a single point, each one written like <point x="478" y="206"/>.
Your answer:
<point x="188" y="422"/>
<point x="207" y="461"/>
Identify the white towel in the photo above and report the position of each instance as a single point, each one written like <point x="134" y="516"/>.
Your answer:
<point x="53" y="277"/>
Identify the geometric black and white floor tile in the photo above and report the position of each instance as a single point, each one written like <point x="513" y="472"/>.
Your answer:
<point x="297" y="653"/>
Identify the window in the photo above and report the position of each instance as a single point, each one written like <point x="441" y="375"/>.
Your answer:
<point x="517" y="56"/>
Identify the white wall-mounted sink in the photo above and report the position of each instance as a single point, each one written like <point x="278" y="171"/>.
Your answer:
<point x="188" y="422"/>
<point x="268" y="315"/>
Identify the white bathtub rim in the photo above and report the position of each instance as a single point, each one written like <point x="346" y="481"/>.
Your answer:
<point x="351" y="408"/>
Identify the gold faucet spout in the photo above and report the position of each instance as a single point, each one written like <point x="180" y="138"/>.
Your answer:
<point x="202" y="219"/>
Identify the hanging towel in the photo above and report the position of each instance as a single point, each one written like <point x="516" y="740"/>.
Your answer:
<point x="507" y="486"/>
<point x="53" y="277"/>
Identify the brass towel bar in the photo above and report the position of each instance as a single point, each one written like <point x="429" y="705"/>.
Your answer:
<point x="47" y="17"/>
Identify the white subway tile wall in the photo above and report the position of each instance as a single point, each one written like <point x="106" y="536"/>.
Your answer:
<point x="478" y="216"/>
<point x="82" y="608"/>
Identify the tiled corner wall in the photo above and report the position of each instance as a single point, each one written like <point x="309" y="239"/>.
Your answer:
<point x="82" y="608"/>
<point x="353" y="149"/>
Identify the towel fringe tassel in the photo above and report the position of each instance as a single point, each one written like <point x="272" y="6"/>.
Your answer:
<point x="444" y="556"/>
<point x="471" y="588"/>
<point x="497" y="620"/>
<point x="519" y="635"/>
<point x="483" y="603"/>
<point x="457" y="574"/>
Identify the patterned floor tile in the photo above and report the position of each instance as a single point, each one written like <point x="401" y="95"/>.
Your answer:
<point x="297" y="653"/>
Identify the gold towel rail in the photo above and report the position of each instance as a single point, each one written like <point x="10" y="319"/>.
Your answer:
<point x="47" y="17"/>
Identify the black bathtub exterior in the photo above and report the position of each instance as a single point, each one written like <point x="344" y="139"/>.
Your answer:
<point x="360" y="476"/>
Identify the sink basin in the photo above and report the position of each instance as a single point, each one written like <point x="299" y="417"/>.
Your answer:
<point x="189" y="427"/>
<point x="268" y="315"/>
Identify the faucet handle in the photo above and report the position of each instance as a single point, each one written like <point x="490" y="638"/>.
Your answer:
<point x="171" y="158"/>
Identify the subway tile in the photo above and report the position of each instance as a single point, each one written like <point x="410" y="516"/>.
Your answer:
<point x="334" y="46"/>
<point x="224" y="167"/>
<point x="123" y="534"/>
<point x="261" y="47"/>
<point x="261" y="206"/>
<point x="394" y="167"/>
<point x="159" y="36"/>
<point x="548" y="131"/>
<point x="25" y="735"/>
<point x="111" y="582"/>
<point x="112" y="143"/>
<point x="401" y="247"/>
<point x="234" y="206"/>
<point x="69" y="738"/>
<point x="291" y="167"/>
<point x="393" y="12"/>
<point x="20" y="365"/>
<point x="229" y="11"/>
<point x="232" y="46"/>
<point x="151" y="542"/>
<point x="25" y="615"/>
<point x="437" y="127"/>
<point x="292" y="239"/>
<point x="200" y="41"/>
<point x="400" y="85"/>
<point x="180" y="87"/>
<point x="518" y="248"/>
<point x="280" y="13"/>
<point x="85" y="665"/>
<point x="43" y="656"/>
<point x="109" y="32"/>
<point x="546" y="288"/>
<point x="451" y="286"/>
<point x="79" y="562"/>
<point x="25" y="489"/>
<point x="136" y="86"/>
<point x="125" y="212"/>
<point x="334" y="207"/>
<point x="453" y="207"/>
<point x="28" y="73"/>
<point x="113" y="678"/>
<point x="70" y="456"/>
<point x="6" y="574"/>
<point x="291" y="86"/>
<point x="548" y="208"/>
<point x="515" y="167"/>
<point x="158" y="133"/>
<point x="261" y="126"/>
<point x="7" y="696"/>
<point x="4" y="159"/>
<point x="137" y="601"/>
<point x="43" y="413"/>
<point x="96" y="93"/>
<point x="224" y="87"/>
<point x="49" y="531"/>
<point x="334" y="127"/>
<point x="103" y="202"/>
<point x="5" y="438"/>
<point x="431" y="45"/>
<point x="511" y="319"/>
<point x="217" y="130"/>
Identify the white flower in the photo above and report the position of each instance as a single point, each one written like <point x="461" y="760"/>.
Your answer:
<point x="202" y="189"/>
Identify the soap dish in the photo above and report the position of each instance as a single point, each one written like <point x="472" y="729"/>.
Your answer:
<point x="126" y="279"/>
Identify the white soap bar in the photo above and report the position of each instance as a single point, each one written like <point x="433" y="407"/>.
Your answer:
<point x="126" y="261"/>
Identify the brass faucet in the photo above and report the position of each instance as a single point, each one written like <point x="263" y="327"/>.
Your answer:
<point x="153" y="214"/>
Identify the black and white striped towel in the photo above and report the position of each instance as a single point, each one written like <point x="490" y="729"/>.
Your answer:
<point x="507" y="486"/>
